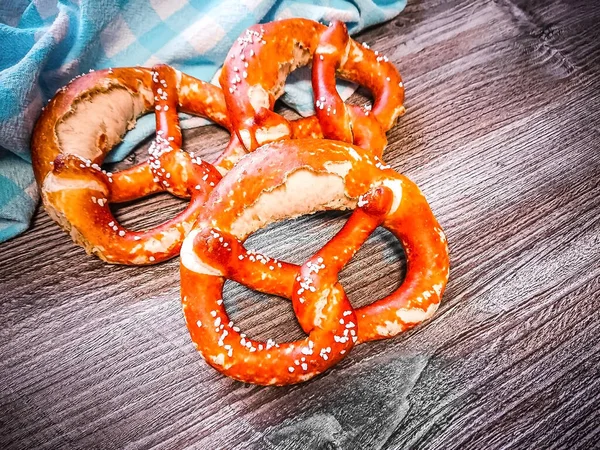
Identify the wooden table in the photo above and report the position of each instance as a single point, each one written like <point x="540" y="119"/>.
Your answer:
<point x="502" y="135"/>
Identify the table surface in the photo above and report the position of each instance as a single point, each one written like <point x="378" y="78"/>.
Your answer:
<point x="502" y="135"/>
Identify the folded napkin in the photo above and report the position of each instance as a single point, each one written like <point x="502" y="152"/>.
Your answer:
<point x="45" y="43"/>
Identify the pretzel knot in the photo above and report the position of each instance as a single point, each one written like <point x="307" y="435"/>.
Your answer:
<point x="287" y="179"/>
<point x="255" y="70"/>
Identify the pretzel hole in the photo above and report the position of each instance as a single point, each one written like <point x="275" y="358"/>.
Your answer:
<point x="362" y="97"/>
<point x="285" y="111"/>
<point x="376" y="270"/>
<point x="261" y="316"/>
<point x="302" y="77"/>
<point x="135" y="157"/>
<point x="206" y="141"/>
<point x="149" y="212"/>
<point x="294" y="68"/>
<point x="296" y="240"/>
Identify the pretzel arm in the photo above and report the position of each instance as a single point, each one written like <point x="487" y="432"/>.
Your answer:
<point x="133" y="183"/>
<point x="347" y="123"/>
<point x="419" y="295"/>
<point x="375" y="72"/>
<point x="202" y="99"/>
<point x="228" y="255"/>
<point x="329" y="106"/>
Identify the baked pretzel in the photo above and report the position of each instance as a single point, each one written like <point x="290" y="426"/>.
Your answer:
<point x="256" y="67"/>
<point x="81" y="125"/>
<point x="287" y="179"/>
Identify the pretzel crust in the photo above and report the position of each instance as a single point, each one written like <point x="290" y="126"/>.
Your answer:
<point x="84" y="121"/>
<point x="266" y="187"/>
<point x="256" y="67"/>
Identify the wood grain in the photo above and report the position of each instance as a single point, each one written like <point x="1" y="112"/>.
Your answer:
<point x="502" y="135"/>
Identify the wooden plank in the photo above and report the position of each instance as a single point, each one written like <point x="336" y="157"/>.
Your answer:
<point x="501" y="133"/>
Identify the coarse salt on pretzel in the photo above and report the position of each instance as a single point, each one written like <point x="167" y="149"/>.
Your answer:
<point x="82" y="124"/>
<point x="288" y="179"/>
<point x="256" y="67"/>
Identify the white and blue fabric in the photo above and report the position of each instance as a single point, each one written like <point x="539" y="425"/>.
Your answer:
<point x="45" y="43"/>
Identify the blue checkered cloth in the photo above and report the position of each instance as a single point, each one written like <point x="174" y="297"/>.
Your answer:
<point x="45" y="43"/>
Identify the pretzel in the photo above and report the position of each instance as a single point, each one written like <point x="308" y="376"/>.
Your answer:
<point x="81" y="125"/>
<point x="288" y="179"/>
<point x="256" y="67"/>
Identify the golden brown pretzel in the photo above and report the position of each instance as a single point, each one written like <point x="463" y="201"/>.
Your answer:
<point x="256" y="67"/>
<point x="81" y="125"/>
<point x="287" y="179"/>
